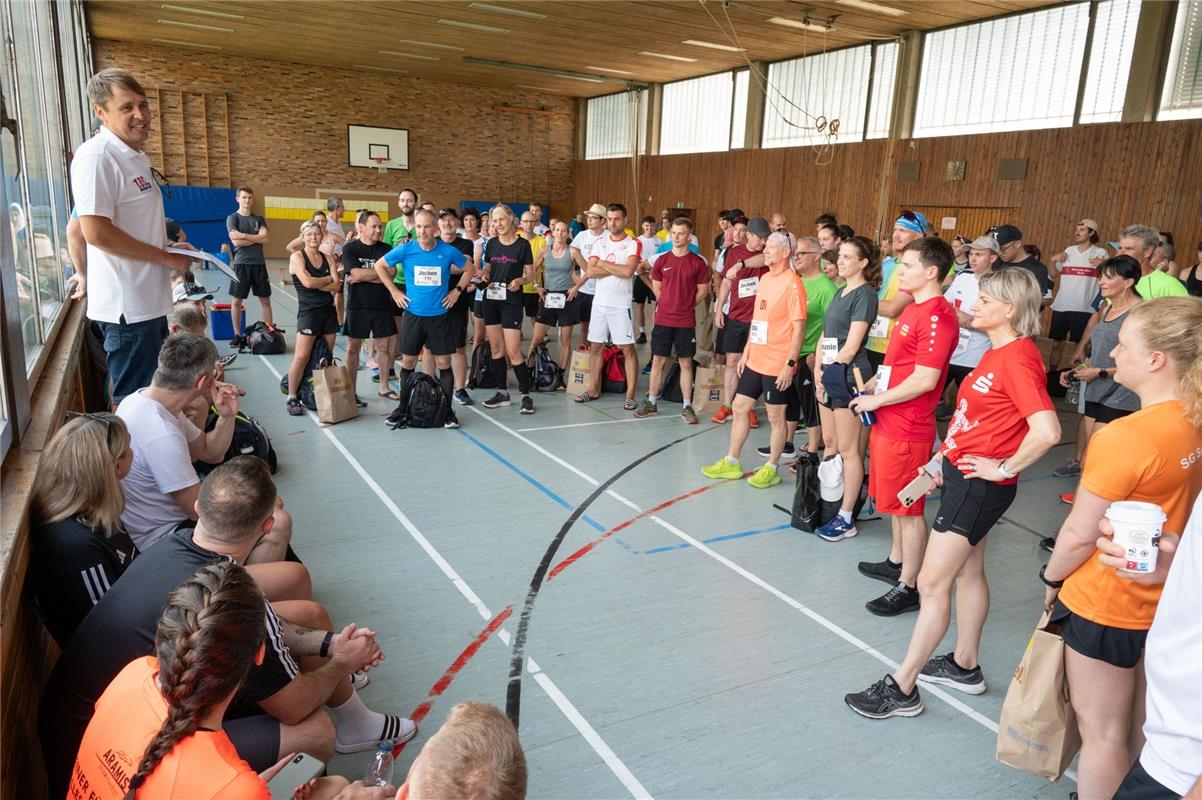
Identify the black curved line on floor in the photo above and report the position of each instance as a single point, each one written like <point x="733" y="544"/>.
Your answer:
<point x="513" y="694"/>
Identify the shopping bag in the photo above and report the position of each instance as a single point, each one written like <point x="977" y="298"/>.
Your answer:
<point x="334" y="393"/>
<point x="578" y="373"/>
<point x="707" y="388"/>
<point x="1037" y="732"/>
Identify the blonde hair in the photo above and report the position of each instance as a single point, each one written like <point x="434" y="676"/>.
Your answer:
<point x="102" y="84"/>
<point x="1173" y="326"/>
<point x="77" y="476"/>
<point x="1018" y="287"/>
<point x="476" y="755"/>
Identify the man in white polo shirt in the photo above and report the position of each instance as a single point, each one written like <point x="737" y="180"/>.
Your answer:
<point x="121" y="213"/>
<point x="1073" y="305"/>
<point x="612" y="262"/>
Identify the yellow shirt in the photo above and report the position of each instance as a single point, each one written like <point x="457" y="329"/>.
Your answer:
<point x="537" y="243"/>
<point x="882" y="326"/>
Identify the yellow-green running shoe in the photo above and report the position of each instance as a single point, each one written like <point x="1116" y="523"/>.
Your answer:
<point x="764" y="477"/>
<point x="723" y="470"/>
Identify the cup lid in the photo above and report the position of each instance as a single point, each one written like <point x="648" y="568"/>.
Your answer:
<point x="1135" y="510"/>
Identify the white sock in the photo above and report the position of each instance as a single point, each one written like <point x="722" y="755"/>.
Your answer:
<point x="732" y="460"/>
<point x="687" y="404"/>
<point x="651" y="399"/>
<point x="771" y="464"/>
<point x="845" y="516"/>
<point x="355" y="722"/>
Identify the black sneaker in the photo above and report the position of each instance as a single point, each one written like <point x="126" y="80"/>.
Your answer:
<point x="452" y="421"/>
<point x="360" y="402"/>
<point x="463" y="398"/>
<point x="898" y="600"/>
<point x="1047" y="543"/>
<point x="766" y="450"/>
<point x="527" y="405"/>
<point x="944" y="671"/>
<point x="642" y="338"/>
<point x="238" y="342"/>
<point x="881" y="571"/>
<point x="885" y="699"/>
<point x="295" y="408"/>
<point x="498" y="400"/>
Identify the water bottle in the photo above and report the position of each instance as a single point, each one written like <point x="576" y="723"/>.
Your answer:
<point x="866" y="417"/>
<point x="379" y="773"/>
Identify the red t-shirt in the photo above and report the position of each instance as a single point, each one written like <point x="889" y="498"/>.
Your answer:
<point x="679" y="277"/>
<point x="743" y="282"/>
<point x="925" y="336"/>
<point x="994" y="402"/>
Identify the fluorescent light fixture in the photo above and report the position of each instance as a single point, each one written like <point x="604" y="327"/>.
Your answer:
<point x="535" y="88"/>
<point x="380" y="69"/>
<point x="177" y="43"/>
<point x="866" y="5"/>
<point x="558" y="73"/>
<point x="713" y="45"/>
<point x="431" y="44"/>
<point x="513" y="12"/>
<point x="817" y="27"/>
<point x="408" y="55"/>
<point x="583" y="78"/>
<point x="472" y="26"/>
<point x="612" y="71"/>
<point x="195" y="25"/>
<point x="665" y="55"/>
<point x="206" y="12"/>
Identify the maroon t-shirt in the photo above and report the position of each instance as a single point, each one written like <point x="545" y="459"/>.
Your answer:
<point x="679" y="277"/>
<point x="742" y="282"/>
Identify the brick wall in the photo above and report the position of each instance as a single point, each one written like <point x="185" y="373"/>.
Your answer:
<point x="287" y="128"/>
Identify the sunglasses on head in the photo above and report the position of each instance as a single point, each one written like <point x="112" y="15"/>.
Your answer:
<point x="912" y="216"/>
<point x="107" y="422"/>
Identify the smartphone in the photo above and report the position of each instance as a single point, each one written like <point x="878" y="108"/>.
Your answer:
<point x="300" y="770"/>
<point x="915" y="489"/>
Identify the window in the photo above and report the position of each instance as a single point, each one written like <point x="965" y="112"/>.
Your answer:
<point x="813" y="97"/>
<point x="613" y="122"/>
<point x="697" y="113"/>
<point x="884" y="78"/>
<point x="1183" y="82"/>
<point x="1015" y="73"/>
<point x="1109" y="61"/>
<point x="738" y="118"/>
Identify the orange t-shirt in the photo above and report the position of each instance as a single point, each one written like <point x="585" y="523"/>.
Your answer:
<point x="780" y="300"/>
<point x="131" y="711"/>
<point x="1154" y="456"/>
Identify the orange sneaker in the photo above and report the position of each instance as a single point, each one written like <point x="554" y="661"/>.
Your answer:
<point x="753" y="420"/>
<point x="724" y="413"/>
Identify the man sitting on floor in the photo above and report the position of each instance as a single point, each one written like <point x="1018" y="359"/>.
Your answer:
<point x="476" y="755"/>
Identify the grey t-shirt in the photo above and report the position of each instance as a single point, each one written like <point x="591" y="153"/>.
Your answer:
<point x="249" y="224"/>
<point x="558" y="270"/>
<point x="857" y="305"/>
<point x="1108" y="391"/>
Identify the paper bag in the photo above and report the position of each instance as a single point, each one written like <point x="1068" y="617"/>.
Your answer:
<point x="707" y="388"/>
<point x="704" y="325"/>
<point x="578" y="376"/>
<point x="1037" y="732"/>
<point x="334" y="393"/>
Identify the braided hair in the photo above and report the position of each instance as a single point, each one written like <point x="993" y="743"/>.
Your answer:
<point x="210" y="630"/>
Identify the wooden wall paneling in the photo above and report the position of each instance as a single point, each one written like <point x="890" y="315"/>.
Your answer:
<point x="183" y="134"/>
<point x="225" y="112"/>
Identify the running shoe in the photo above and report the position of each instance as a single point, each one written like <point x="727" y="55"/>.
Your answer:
<point x="764" y="477"/>
<point x="527" y="405"/>
<point x="371" y="363"/>
<point x="295" y="408"/>
<point x="463" y="398"/>
<point x="944" y="670"/>
<point x="238" y="342"/>
<point x="837" y="529"/>
<point x="451" y="421"/>
<point x="688" y="415"/>
<point x="885" y="699"/>
<point x="647" y="369"/>
<point x="752" y="419"/>
<point x="724" y="413"/>
<point x="646" y="408"/>
<point x="723" y="470"/>
<point x="359" y="402"/>
<point x="226" y="360"/>
<point x="1068" y="497"/>
<point x="642" y="338"/>
<point x="1071" y="469"/>
<point x="766" y="450"/>
<point x="884" y="571"/>
<point x="898" y="600"/>
<point x="498" y="400"/>
<point x="1047" y="543"/>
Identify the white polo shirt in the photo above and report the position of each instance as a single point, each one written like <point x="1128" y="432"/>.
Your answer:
<point x="110" y="179"/>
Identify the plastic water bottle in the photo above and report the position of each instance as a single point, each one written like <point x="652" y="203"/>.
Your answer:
<point x="379" y="773"/>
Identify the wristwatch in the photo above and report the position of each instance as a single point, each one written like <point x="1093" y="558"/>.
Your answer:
<point x="1103" y="373"/>
<point x="1043" y="577"/>
<point x="1005" y="473"/>
<point x="792" y="362"/>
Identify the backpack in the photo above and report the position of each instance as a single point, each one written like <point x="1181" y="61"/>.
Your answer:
<point x="320" y="357"/>
<point x="547" y="373"/>
<point x="670" y="389"/>
<point x="613" y="370"/>
<point x="423" y="405"/>
<point x="250" y="439"/>
<point x="266" y="340"/>
<point x="806" y="512"/>
<point x="481" y="376"/>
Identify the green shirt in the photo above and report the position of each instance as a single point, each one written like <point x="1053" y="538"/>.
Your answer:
<point x="1160" y="284"/>
<point x="819" y="291"/>
<point x="395" y="232"/>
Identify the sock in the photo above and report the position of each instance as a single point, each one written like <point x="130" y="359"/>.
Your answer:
<point x="687" y="403"/>
<point x="447" y="378"/>
<point x="845" y="516"/>
<point x="523" y="374"/>
<point x="732" y="460"/>
<point x="772" y="464"/>
<point x="727" y="406"/>
<point x="355" y="722"/>
<point x="893" y="563"/>
<point x="291" y="397"/>
<point x="500" y="372"/>
<point x="651" y="399"/>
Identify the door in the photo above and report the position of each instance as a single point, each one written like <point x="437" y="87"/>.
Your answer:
<point x="968" y="222"/>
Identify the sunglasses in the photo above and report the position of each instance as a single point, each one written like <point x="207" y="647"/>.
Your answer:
<point x="161" y="180"/>
<point x="907" y="214"/>
<point x="106" y="421"/>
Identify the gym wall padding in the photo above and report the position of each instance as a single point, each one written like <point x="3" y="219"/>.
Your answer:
<point x="201" y="212"/>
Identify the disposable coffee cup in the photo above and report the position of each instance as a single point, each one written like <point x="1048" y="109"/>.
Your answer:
<point x="1137" y="529"/>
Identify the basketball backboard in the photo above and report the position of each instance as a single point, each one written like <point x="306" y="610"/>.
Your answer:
<point x="367" y="145"/>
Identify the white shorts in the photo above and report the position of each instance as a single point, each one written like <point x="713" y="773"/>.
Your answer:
<point x="609" y="324"/>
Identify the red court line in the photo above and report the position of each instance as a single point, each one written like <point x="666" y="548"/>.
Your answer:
<point x="459" y="663"/>
<point x="588" y="548"/>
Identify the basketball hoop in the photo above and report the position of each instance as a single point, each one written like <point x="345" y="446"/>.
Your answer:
<point x="380" y="163"/>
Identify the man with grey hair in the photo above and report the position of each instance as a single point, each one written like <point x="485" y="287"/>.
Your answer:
<point x="1140" y="242"/>
<point x="121" y="216"/>
<point x="768" y="362"/>
<point x="334" y="210"/>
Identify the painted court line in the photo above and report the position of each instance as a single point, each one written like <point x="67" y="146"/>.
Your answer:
<point x="590" y="735"/>
<point x="588" y="424"/>
<point x="847" y="636"/>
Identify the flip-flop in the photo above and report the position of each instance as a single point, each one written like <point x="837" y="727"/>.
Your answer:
<point x="390" y="394"/>
<point x="586" y="398"/>
<point x="630" y="405"/>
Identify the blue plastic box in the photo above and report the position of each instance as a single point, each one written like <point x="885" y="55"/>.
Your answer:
<point x="222" y="324"/>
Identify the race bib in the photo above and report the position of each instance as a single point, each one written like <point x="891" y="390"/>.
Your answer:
<point x="747" y="287"/>
<point x="965" y="335"/>
<point x="495" y="291"/>
<point x="759" y="331"/>
<point x="427" y="276"/>
<point x="829" y="347"/>
<point x="882" y="379"/>
<point x="555" y="300"/>
<point x="880" y="327"/>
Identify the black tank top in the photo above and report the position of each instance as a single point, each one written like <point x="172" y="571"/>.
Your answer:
<point x="1193" y="284"/>
<point x="313" y="299"/>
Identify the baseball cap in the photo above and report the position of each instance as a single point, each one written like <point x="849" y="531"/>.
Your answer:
<point x="596" y="210"/>
<point x="189" y="291"/>
<point x="1005" y="234"/>
<point x="1089" y="223"/>
<point x="739" y="220"/>
<point x="448" y="211"/>
<point x="759" y="226"/>
<point x="985" y="243"/>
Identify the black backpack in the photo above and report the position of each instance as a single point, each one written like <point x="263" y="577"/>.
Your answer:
<point x="481" y="376"/>
<point x="250" y="439"/>
<point x="266" y="340"/>
<point x="423" y="404"/>
<point x="806" y="513"/>
<point x="547" y="373"/>
<point x="320" y="357"/>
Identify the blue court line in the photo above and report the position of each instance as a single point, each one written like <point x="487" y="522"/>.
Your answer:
<point x="726" y="537"/>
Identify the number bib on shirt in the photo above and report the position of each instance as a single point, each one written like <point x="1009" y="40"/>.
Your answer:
<point x="427" y="276"/>
<point x="748" y="286"/>
<point x="829" y="346"/>
<point x="555" y="300"/>
<point x="882" y="379"/>
<point x="495" y="291"/>
<point x="965" y="335"/>
<point x="880" y="327"/>
<point x="759" y="331"/>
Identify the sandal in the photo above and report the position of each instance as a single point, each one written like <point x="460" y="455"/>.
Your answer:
<point x="630" y="405"/>
<point x="390" y="395"/>
<point x="586" y="398"/>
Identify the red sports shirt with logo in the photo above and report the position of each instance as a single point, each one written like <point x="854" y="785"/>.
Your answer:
<point x="925" y="335"/>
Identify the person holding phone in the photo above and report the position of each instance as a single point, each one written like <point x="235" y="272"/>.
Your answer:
<point x="1004" y="423"/>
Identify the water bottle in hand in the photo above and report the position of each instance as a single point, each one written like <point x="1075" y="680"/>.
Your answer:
<point x="379" y="773"/>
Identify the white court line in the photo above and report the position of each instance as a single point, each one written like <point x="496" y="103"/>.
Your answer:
<point x="848" y="637"/>
<point x="573" y="715"/>
<point x="586" y="424"/>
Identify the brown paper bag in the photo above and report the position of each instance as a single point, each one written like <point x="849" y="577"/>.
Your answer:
<point x="704" y="324"/>
<point x="707" y="388"/>
<point x="1037" y="732"/>
<point x="334" y="394"/>
<point x="577" y="378"/>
